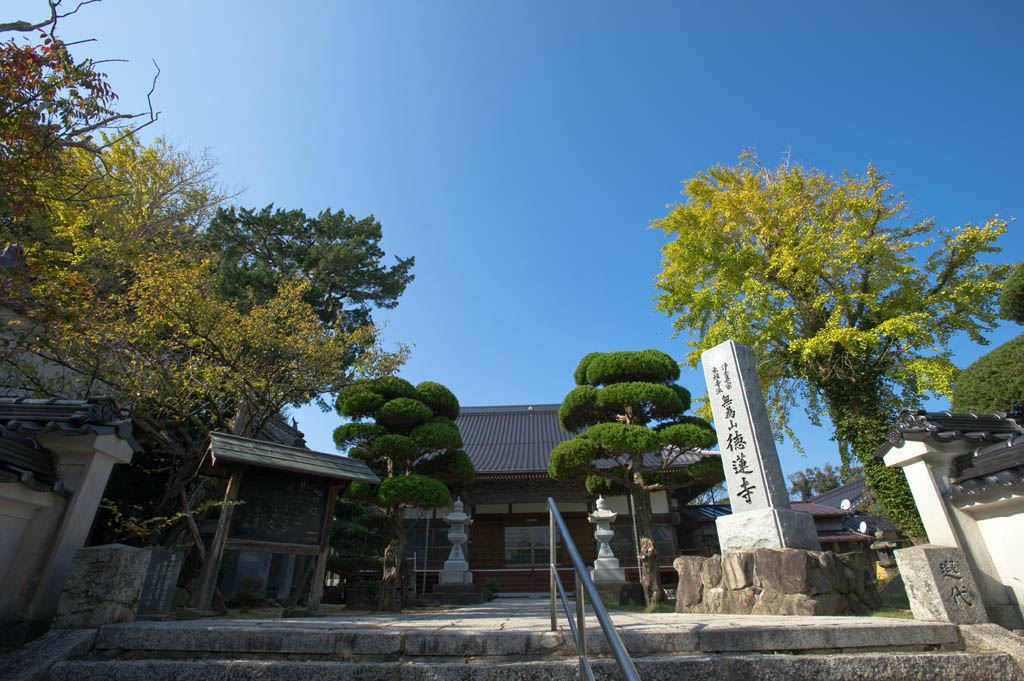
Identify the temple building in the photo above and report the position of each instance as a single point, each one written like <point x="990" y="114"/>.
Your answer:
<point x="508" y="539"/>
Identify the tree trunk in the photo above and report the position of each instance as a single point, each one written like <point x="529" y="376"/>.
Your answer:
<point x="861" y="420"/>
<point x="394" y="555"/>
<point x="650" y="575"/>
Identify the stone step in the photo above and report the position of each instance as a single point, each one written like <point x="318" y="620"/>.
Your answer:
<point x="327" y="640"/>
<point x="509" y="642"/>
<point x="747" y="667"/>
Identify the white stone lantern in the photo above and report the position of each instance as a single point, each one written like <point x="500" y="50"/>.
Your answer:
<point x="606" y="567"/>
<point x="456" y="568"/>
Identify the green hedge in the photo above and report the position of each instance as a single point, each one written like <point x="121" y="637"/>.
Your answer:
<point x="993" y="383"/>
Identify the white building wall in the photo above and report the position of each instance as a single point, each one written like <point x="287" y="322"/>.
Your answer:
<point x="1001" y="525"/>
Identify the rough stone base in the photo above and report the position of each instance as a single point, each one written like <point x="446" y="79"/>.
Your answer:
<point x="767" y="528"/>
<point x="609" y="590"/>
<point x="453" y="594"/>
<point x="776" y="582"/>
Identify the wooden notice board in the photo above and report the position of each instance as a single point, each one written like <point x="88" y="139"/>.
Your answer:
<point x="279" y="507"/>
<point x="287" y="496"/>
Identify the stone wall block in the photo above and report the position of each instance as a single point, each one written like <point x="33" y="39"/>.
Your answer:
<point x="711" y="572"/>
<point x="832" y="568"/>
<point x="719" y="601"/>
<point x="855" y="578"/>
<point x="855" y="560"/>
<point x="775" y="582"/>
<point x="768" y="603"/>
<point x="871" y="596"/>
<point x="738" y="601"/>
<point x="783" y="570"/>
<point x="820" y="583"/>
<point x="829" y="604"/>
<point x="737" y="569"/>
<point x="714" y="601"/>
<point x="855" y="605"/>
<point x="689" y="591"/>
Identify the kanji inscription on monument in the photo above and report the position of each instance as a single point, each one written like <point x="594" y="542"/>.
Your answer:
<point x="749" y="457"/>
<point x="940" y="584"/>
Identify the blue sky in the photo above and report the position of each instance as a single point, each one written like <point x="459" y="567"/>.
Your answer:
<point x="521" y="149"/>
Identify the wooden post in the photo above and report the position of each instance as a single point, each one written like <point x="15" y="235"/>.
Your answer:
<point x="316" y="589"/>
<point x="191" y="521"/>
<point x="211" y="566"/>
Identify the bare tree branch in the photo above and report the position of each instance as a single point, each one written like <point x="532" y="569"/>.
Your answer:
<point x="51" y="21"/>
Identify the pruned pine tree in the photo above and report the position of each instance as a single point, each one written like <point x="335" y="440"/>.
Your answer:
<point x="407" y="435"/>
<point x="635" y="435"/>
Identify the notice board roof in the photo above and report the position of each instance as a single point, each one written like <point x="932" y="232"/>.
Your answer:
<point x="224" y="450"/>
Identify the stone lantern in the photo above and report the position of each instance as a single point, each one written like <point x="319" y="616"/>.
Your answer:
<point x="606" y="573"/>
<point x="456" y="568"/>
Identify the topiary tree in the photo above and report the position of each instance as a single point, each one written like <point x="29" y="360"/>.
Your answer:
<point x="636" y="436"/>
<point x="995" y="382"/>
<point x="408" y="436"/>
<point x="358" y="537"/>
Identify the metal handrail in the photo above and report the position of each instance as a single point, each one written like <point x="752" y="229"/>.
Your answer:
<point x="583" y="584"/>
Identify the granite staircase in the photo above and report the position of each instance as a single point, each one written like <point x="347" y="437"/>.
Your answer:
<point x="449" y="647"/>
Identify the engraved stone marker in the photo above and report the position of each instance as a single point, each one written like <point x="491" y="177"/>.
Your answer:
<point x="761" y="516"/>
<point x="940" y="586"/>
<point x="161" y="582"/>
<point x="103" y="586"/>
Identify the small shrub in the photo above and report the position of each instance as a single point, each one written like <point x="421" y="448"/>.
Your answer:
<point x="491" y="589"/>
<point x="245" y="601"/>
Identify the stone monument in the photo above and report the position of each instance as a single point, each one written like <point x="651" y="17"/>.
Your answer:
<point x="761" y="516"/>
<point x="606" y="574"/>
<point x="940" y="585"/>
<point x="456" y="568"/>
<point x="103" y="586"/>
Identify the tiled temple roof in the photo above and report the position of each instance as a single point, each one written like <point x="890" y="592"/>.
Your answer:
<point x="518" y="439"/>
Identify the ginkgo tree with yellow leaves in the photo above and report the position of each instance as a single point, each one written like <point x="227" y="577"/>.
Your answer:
<point x="847" y="302"/>
<point x="119" y="297"/>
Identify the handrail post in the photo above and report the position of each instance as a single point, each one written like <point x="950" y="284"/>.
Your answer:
<point x="581" y="626"/>
<point x="584" y="585"/>
<point x="553" y="570"/>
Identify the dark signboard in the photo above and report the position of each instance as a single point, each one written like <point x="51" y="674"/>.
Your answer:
<point x="279" y="507"/>
<point x="161" y="581"/>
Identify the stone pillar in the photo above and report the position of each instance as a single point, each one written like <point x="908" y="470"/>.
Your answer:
<point x="761" y="516"/>
<point x="456" y="568"/>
